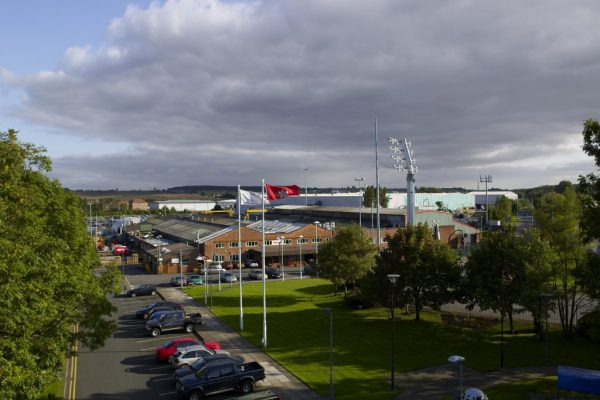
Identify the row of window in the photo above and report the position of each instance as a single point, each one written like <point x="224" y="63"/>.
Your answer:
<point x="269" y="243"/>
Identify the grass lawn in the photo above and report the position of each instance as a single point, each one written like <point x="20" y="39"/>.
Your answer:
<point x="521" y="390"/>
<point x="298" y="334"/>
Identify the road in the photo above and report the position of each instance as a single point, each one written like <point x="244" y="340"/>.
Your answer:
<point x="125" y="367"/>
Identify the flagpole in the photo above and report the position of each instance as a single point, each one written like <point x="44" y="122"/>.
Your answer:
<point x="240" y="255"/>
<point x="377" y="184"/>
<point x="264" y="339"/>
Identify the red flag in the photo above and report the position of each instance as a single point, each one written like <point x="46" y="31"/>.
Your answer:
<point x="279" y="192"/>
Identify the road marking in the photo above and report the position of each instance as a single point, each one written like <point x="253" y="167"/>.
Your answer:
<point x="71" y="391"/>
<point x="167" y="394"/>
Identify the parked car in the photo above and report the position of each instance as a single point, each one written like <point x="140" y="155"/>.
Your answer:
<point x="159" y="311"/>
<point x="178" y="281"/>
<point x="308" y="270"/>
<point x="250" y="263"/>
<point x="218" y="376"/>
<point x="229" y="265"/>
<point x="256" y="274"/>
<point x="142" y="290"/>
<point x="201" y="362"/>
<point x="144" y="312"/>
<point x="273" y="273"/>
<point x="228" y="277"/>
<point x="212" y="267"/>
<point x="163" y="352"/>
<point x="173" y="321"/>
<point x="195" y="280"/>
<point x="189" y="355"/>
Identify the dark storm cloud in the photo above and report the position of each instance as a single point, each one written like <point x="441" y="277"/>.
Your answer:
<point x="211" y="92"/>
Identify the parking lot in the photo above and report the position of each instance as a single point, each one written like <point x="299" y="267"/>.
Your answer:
<point x="126" y="368"/>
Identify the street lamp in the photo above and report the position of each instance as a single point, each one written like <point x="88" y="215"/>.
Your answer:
<point x="546" y="297"/>
<point x="460" y="361"/>
<point x="360" y="198"/>
<point x="316" y="245"/>
<point x="330" y="312"/>
<point x="393" y="278"/>
<point x="90" y="224"/>
<point x="281" y="241"/>
<point x="300" y="240"/>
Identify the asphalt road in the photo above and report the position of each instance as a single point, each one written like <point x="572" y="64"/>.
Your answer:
<point x="125" y="368"/>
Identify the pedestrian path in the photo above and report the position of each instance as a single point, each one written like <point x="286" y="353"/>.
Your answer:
<point x="442" y="381"/>
<point x="278" y="379"/>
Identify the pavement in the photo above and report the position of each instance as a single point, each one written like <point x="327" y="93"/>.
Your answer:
<point x="278" y="379"/>
<point x="442" y="381"/>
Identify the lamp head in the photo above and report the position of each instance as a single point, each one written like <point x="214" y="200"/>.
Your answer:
<point x="393" y="278"/>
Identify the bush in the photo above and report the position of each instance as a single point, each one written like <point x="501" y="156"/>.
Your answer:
<point x="589" y="326"/>
<point x="357" y="302"/>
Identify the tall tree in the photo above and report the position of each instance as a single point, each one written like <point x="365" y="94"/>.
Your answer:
<point x="348" y="257"/>
<point x="370" y="197"/>
<point x="589" y="185"/>
<point x="46" y="275"/>
<point x="558" y="218"/>
<point x="503" y="210"/>
<point x="428" y="269"/>
<point x="495" y="273"/>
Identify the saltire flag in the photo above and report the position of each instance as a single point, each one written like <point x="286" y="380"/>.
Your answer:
<point x="247" y="197"/>
<point x="280" y="192"/>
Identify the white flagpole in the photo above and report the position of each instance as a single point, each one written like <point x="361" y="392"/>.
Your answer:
<point x="240" y="255"/>
<point x="264" y="339"/>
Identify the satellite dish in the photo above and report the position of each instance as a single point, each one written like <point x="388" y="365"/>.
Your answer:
<point x="474" y="394"/>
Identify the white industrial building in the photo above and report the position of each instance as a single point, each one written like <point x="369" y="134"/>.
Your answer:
<point x="183" y="205"/>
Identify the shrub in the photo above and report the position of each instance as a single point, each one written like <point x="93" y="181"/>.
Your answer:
<point x="589" y="326"/>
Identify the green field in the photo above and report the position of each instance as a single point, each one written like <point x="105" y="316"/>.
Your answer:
<point x="298" y="337"/>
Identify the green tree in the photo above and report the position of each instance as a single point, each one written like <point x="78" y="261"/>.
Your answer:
<point x="370" y="197"/>
<point x="589" y="185"/>
<point x="440" y="205"/>
<point x="428" y="269"/>
<point x="503" y="210"/>
<point x="348" y="257"/>
<point x="558" y="218"/>
<point x="495" y="273"/>
<point x="46" y="274"/>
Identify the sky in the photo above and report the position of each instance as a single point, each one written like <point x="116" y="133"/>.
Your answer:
<point x="155" y="94"/>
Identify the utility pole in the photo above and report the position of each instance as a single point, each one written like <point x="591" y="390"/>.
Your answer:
<point x="405" y="159"/>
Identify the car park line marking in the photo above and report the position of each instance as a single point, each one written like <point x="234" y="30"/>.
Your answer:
<point x="158" y="369"/>
<point x="167" y="394"/>
<point x="147" y="349"/>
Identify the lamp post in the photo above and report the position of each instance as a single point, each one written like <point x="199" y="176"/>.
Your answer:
<point x="360" y="199"/>
<point x="393" y="278"/>
<point x="281" y="241"/>
<point x="330" y="312"/>
<point x="317" y="247"/>
<point x="458" y="360"/>
<point x="546" y="297"/>
<point x="90" y="223"/>
<point x="300" y="240"/>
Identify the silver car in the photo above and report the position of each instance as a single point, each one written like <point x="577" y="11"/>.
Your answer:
<point x="189" y="355"/>
<point x="256" y="274"/>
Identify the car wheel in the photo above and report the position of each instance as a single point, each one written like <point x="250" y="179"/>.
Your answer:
<point x="155" y="332"/>
<point x="189" y="328"/>
<point x="183" y="366"/>
<point x="195" y="395"/>
<point x="132" y="295"/>
<point x="153" y="292"/>
<point x="246" y="387"/>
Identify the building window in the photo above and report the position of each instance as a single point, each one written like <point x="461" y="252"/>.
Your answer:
<point x="219" y="245"/>
<point x="218" y="257"/>
<point x="233" y="257"/>
<point x="317" y="240"/>
<point x="302" y="241"/>
<point x="252" y="243"/>
<point x="233" y="244"/>
<point x="385" y="239"/>
<point x="268" y="243"/>
<point x="287" y="241"/>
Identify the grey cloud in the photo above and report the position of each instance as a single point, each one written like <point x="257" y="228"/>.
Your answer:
<point x="271" y="87"/>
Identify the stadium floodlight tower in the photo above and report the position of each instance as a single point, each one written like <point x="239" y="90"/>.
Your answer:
<point x="405" y="161"/>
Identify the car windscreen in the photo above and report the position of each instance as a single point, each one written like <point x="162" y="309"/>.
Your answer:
<point x="199" y="364"/>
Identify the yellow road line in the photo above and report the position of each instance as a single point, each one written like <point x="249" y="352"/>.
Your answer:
<point x="71" y="393"/>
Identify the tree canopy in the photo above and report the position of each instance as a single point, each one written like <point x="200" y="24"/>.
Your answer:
<point x="370" y="197"/>
<point x="428" y="269"/>
<point x="46" y="273"/>
<point x="348" y="257"/>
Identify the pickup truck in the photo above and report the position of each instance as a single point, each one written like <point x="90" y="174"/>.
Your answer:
<point x="220" y="375"/>
<point x="173" y="321"/>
